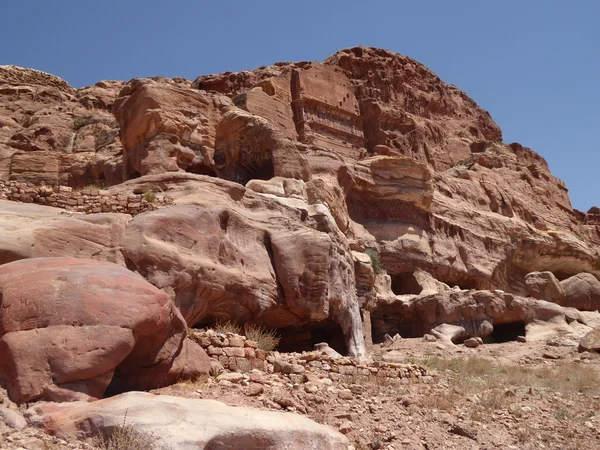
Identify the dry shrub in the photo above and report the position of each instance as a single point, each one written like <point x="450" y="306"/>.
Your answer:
<point x="150" y="196"/>
<point x="267" y="340"/>
<point x="228" y="327"/>
<point x="126" y="437"/>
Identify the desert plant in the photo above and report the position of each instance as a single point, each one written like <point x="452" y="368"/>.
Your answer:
<point x="126" y="437"/>
<point x="228" y="327"/>
<point x="374" y="255"/>
<point x="150" y="196"/>
<point x="267" y="340"/>
<point x="96" y="185"/>
<point x="82" y="121"/>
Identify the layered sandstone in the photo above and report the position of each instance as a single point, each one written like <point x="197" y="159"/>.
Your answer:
<point x="282" y="177"/>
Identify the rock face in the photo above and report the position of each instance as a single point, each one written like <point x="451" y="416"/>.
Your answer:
<point x="52" y="133"/>
<point x="184" y="423"/>
<point x="458" y="315"/>
<point x="70" y="328"/>
<point x="231" y="253"/>
<point x="283" y="176"/>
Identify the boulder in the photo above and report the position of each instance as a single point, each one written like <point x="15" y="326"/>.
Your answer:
<point x="582" y="292"/>
<point x="591" y="341"/>
<point x="70" y="328"/>
<point x="544" y="286"/>
<point x="34" y="231"/>
<point x="12" y="418"/>
<point x="182" y="423"/>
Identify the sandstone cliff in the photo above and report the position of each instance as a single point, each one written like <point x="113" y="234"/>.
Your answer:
<point x="282" y="177"/>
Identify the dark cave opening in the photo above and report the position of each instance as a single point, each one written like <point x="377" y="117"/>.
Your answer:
<point x="304" y="337"/>
<point x="201" y="169"/>
<point x="405" y="283"/>
<point x="388" y="320"/>
<point x="506" y="332"/>
<point x="249" y="166"/>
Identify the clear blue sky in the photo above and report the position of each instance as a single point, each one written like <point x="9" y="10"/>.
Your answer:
<point x="534" y="64"/>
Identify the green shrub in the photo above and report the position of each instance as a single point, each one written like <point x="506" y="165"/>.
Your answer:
<point x="374" y="255"/>
<point x="267" y="340"/>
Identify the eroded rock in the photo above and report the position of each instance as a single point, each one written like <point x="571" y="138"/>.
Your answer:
<point x="181" y="423"/>
<point x="70" y="328"/>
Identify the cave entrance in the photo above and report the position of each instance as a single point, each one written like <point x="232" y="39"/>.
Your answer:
<point x="303" y="338"/>
<point x="248" y="166"/>
<point x="392" y="319"/>
<point x="506" y="332"/>
<point x="405" y="283"/>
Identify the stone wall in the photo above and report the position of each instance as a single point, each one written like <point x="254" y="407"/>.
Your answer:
<point x="83" y="201"/>
<point x="234" y="352"/>
<point x="238" y="354"/>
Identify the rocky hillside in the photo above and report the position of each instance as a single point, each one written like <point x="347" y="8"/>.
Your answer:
<point x="344" y="202"/>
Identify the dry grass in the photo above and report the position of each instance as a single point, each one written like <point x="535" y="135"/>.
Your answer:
<point x="484" y="388"/>
<point x="228" y="327"/>
<point x="267" y="340"/>
<point x="150" y="196"/>
<point x="96" y="185"/>
<point x="566" y="379"/>
<point x="126" y="437"/>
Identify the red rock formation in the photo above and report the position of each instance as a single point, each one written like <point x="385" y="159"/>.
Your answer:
<point x="368" y="149"/>
<point x="52" y="133"/>
<point x="70" y="328"/>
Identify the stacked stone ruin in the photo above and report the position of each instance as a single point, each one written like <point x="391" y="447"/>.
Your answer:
<point x="88" y="201"/>
<point x="236" y="353"/>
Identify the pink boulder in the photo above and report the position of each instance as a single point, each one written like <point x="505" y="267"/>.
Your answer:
<point x="72" y="328"/>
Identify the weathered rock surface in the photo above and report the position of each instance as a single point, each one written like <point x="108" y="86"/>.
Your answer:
<point x="52" y="133"/>
<point x="167" y="127"/>
<point x="225" y="252"/>
<point x="545" y="286"/>
<point x="458" y="315"/>
<point x="582" y="292"/>
<point x="184" y="423"/>
<point x="591" y="341"/>
<point x="69" y="328"/>
<point x="302" y="167"/>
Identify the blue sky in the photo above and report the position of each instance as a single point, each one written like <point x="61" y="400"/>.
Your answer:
<point x="534" y="64"/>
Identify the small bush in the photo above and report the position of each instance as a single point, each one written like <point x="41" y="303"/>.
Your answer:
<point x="82" y="121"/>
<point x="267" y="340"/>
<point x="228" y="327"/>
<point x="126" y="437"/>
<point x="96" y="185"/>
<point x="150" y="196"/>
<point x="374" y="255"/>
